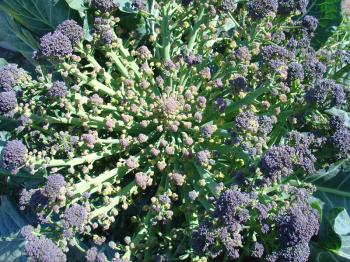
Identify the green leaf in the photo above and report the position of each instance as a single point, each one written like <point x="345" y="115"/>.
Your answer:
<point x="2" y="62"/>
<point x="11" y="221"/>
<point x="77" y="5"/>
<point x="15" y="38"/>
<point x="339" y="225"/>
<point x="333" y="197"/>
<point x="38" y="16"/>
<point x="329" y="15"/>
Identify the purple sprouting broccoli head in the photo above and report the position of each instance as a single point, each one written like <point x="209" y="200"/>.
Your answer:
<point x="326" y="92"/>
<point x="72" y="30"/>
<point x="278" y="160"/>
<point x="43" y="250"/>
<point x="55" y="45"/>
<point x="57" y="90"/>
<point x="54" y="185"/>
<point x="259" y="9"/>
<point x="8" y="102"/>
<point x="287" y="7"/>
<point x="75" y="216"/>
<point x="105" y="5"/>
<point x="13" y="155"/>
<point x="10" y="76"/>
<point x="297" y="225"/>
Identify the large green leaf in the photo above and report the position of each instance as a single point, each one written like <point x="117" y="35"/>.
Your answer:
<point x="76" y="5"/>
<point x="15" y="38"/>
<point x="11" y="221"/>
<point x="39" y="16"/>
<point x="329" y="15"/>
<point x="333" y="198"/>
<point x="2" y="62"/>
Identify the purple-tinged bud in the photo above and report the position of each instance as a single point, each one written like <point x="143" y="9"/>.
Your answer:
<point x="8" y="102"/>
<point x="43" y="249"/>
<point x="142" y="180"/>
<point x="142" y="138"/>
<point x="132" y="163"/>
<point x="13" y="155"/>
<point x="177" y="179"/>
<point x="54" y="186"/>
<point x="198" y="117"/>
<point x="202" y="101"/>
<point x="143" y="53"/>
<point x="96" y="100"/>
<point x="155" y="152"/>
<point x="170" y="150"/>
<point x="89" y="139"/>
<point x="57" y="90"/>
<point x="110" y="124"/>
<point x="205" y="73"/>
<point x="208" y="130"/>
<point x="203" y="157"/>
<point x="75" y="216"/>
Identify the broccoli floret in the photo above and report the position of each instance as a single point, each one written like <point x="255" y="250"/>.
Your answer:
<point x="259" y="9"/>
<point x="72" y="30"/>
<point x="41" y="249"/>
<point x="55" y="45"/>
<point x="14" y="155"/>
<point x="8" y="102"/>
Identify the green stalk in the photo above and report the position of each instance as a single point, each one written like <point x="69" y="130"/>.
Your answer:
<point x="84" y="186"/>
<point x="77" y="161"/>
<point x="122" y="69"/>
<point x="165" y="34"/>
<point x="195" y="29"/>
<point x="126" y="191"/>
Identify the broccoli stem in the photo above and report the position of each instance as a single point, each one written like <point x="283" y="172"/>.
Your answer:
<point x="77" y="161"/>
<point x="122" y="69"/>
<point x="128" y="190"/>
<point x="195" y="30"/>
<point x="165" y="29"/>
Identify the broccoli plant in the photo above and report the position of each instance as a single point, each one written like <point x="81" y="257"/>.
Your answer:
<point x="192" y="143"/>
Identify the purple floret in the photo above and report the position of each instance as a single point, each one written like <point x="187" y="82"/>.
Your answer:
<point x="324" y="91"/>
<point x="257" y="250"/>
<point x="32" y="199"/>
<point x="55" y="45"/>
<point x="203" y="157"/>
<point x="277" y="161"/>
<point x="105" y="5"/>
<point x="286" y="7"/>
<point x="259" y="9"/>
<point x="57" y="90"/>
<point x="10" y="75"/>
<point x="13" y="155"/>
<point x="228" y="5"/>
<point x="314" y="69"/>
<point x="297" y="225"/>
<point x="295" y="72"/>
<point x="41" y="249"/>
<point x="309" y="23"/>
<point x="340" y="140"/>
<point x="207" y="131"/>
<point x="203" y="237"/>
<point x="54" y="185"/>
<point x="72" y="30"/>
<point x="8" y="102"/>
<point x="75" y="216"/>
<point x="229" y="208"/>
<point x="297" y="253"/>
<point x="91" y="254"/>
